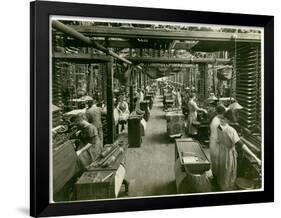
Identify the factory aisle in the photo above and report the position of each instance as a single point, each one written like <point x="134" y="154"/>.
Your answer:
<point x="150" y="168"/>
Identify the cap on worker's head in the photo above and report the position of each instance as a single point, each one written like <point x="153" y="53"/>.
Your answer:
<point x="78" y="118"/>
<point x="228" y="115"/>
<point x="220" y="109"/>
<point x="192" y="95"/>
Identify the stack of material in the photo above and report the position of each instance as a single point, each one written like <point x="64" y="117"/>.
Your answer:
<point x="175" y="123"/>
<point x="58" y="72"/>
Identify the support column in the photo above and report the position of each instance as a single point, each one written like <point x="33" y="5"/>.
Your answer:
<point x="131" y="96"/>
<point x="214" y="80"/>
<point x="203" y="69"/>
<point x="109" y="100"/>
<point x="139" y="75"/>
<point x="131" y="89"/>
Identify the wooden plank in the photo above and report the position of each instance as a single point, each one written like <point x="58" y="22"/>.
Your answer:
<point x="119" y="32"/>
<point x="81" y="58"/>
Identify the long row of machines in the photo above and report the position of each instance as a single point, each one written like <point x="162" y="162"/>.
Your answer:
<point x="80" y="175"/>
<point x="192" y="160"/>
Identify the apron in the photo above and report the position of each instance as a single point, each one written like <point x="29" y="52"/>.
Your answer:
<point x="227" y="159"/>
<point x="214" y="147"/>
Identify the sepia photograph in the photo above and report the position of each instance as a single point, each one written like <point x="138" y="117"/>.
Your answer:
<point x="152" y="109"/>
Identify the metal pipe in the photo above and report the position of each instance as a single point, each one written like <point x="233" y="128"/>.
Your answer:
<point x="75" y="34"/>
<point x="65" y="29"/>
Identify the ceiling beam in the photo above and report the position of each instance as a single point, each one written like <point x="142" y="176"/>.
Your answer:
<point x="111" y="44"/>
<point x="119" y="32"/>
<point x="81" y="58"/>
<point x="164" y="60"/>
<point x="79" y="36"/>
<point x="138" y="60"/>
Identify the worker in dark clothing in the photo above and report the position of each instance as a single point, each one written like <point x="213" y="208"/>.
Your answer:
<point x="93" y="115"/>
<point x="185" y="101"/>
<point x="87" y="133"/>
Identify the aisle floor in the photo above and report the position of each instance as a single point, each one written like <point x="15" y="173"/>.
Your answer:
<point x="150" y="168"/>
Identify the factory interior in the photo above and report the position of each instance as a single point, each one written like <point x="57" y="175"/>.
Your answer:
<point x="154" y="109"/>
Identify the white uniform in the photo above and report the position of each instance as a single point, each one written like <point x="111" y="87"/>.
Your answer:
<point x="227" y="160"/>
<point x="214" y="148"/>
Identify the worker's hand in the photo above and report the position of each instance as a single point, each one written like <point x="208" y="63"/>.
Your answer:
<point x="77" y="133"/>
<point x="259" y="162"/>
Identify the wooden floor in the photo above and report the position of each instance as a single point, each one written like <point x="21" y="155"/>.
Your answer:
<point x="150" y="168"/>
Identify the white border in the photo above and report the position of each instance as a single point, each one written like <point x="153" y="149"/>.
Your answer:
<point x="113" y="20"/>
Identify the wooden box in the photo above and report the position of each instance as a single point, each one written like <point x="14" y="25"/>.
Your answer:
<point x="95" y="185"/>
<point x="192" y="156"/>
<point x="175" y="123"/>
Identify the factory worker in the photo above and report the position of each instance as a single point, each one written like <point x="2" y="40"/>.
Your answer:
<point x="123" y="110"/>
<point x="94" y="114"/>
<point x="214" y="150"/>
<point x="192" y="116"/>
<point x="87" y="133"/>
<point x="185" y="101"/>
<point x="228" y="139"/>
<point x="178" y="100"/>
<point x="174" y="96"/>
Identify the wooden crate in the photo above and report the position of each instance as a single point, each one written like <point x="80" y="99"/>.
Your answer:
<point x="95" y="185"/>
<point x="175" y="123"/>
<point x="190" y="148"/>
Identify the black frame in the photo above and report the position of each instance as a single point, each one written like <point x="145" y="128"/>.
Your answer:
<point x="39" y="108"/>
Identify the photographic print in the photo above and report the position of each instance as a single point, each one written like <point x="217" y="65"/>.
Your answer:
<point x="144" y="109"/>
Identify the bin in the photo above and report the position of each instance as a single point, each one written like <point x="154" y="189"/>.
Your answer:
<point x="134" y="131"/>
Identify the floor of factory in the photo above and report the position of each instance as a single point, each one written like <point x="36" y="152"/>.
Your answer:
<point x="150" y="168"/>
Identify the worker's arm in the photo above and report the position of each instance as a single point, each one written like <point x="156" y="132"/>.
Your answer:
<point x="93" y="135"/>
<point x="199" y="108"/>
<point x="104" y="110"/>
<point x="94" y="140"/>
<point x="127" y="108"/>
<point x="248" y="151"/>
<point x="118" y="107"/>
